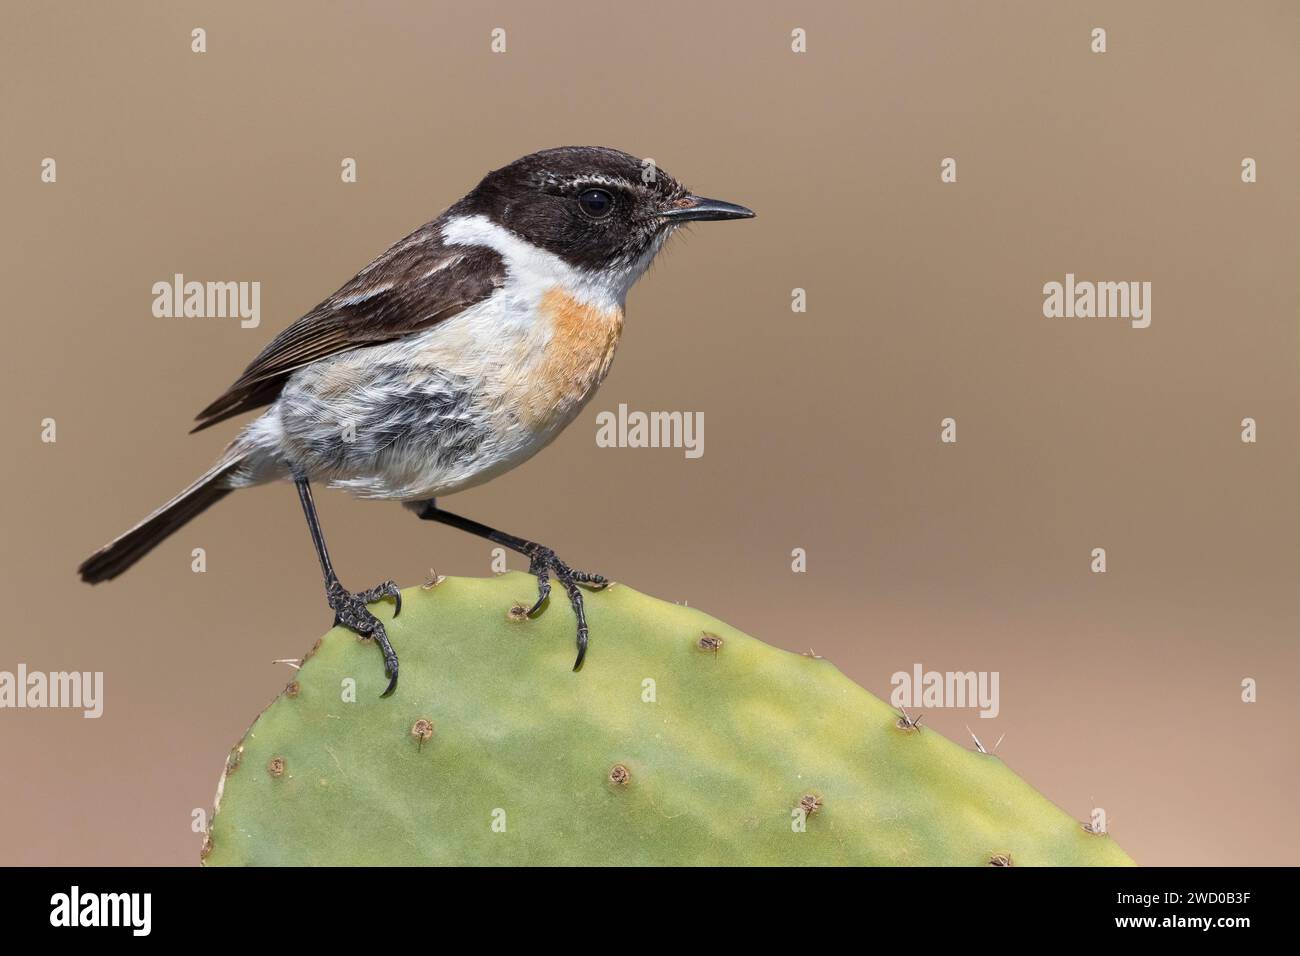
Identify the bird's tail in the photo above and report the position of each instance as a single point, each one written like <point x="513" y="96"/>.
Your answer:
<point x="125" y="550"/>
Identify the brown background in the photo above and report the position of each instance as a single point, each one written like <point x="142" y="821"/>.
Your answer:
<point x="821" y="429"/>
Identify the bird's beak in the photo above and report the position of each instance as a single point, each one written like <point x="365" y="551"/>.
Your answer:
<point x="699" y="209"/>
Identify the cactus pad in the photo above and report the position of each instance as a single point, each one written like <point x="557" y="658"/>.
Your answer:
<point x="681" y="741"/>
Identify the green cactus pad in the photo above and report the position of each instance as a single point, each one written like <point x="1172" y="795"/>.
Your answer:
<point x="681" y="741"/>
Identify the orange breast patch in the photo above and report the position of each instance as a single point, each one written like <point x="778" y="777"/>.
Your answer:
<point x="577" y="357"/>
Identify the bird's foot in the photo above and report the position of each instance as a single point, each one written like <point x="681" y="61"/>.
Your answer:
<point x="542" y="563"/>
<point x="350" y="610"/>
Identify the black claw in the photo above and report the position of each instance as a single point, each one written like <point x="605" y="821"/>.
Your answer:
<point x="575" y="599"/>
<point x="390" y="661"/>
<point x="543" y="564"/>
<point x="543" y="586"/>
<point x="388" y="589"/>
<point x="350" y="610"/>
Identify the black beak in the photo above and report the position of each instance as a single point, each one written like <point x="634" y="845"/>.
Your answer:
<point x="699" y="209"/>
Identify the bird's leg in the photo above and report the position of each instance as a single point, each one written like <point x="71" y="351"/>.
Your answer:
<point x="542" y="563"/>
<point x="350" y="609"/>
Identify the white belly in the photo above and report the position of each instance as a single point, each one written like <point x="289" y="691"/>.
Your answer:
<point x="453" y="406"/>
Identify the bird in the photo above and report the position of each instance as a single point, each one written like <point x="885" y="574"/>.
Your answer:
<point x="456" y="355"/>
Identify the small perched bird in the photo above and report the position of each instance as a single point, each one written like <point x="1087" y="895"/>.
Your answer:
<point x="457" y="354"/>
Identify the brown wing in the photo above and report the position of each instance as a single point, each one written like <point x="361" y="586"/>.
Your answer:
<point x="417" y="283"/>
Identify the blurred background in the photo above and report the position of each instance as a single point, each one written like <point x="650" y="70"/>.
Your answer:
<point x="924" y="301"/>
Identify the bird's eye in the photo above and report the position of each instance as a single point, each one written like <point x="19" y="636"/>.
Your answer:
<point x="596" y="203"/>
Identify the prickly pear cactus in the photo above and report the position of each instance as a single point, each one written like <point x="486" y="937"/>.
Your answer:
<point x="681" y="741"/>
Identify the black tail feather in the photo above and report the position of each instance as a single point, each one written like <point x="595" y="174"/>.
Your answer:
<point x="114" y="558"/>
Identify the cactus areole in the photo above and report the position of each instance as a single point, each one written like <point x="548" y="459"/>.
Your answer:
<point x="682" y="741"/>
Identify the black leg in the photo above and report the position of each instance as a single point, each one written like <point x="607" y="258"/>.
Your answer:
<point x="542" y="562"/>
<point x="350" y="609"/>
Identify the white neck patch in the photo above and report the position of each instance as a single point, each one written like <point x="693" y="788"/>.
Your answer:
<point x="529" y="265"/>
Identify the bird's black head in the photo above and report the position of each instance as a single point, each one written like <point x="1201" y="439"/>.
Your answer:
<point x="594" y="207"/>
